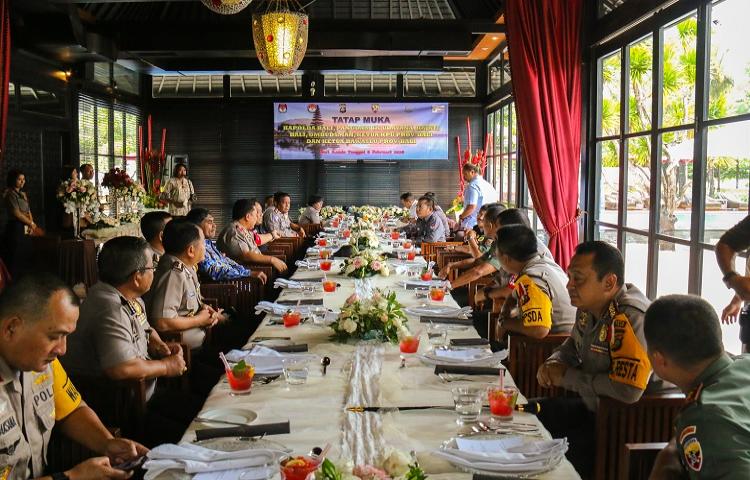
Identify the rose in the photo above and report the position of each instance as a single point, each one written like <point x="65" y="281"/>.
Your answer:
<point x="352" y="299"/>
<point x="376" y="265"/>
<point x="349" y="325"/>
<point x="358" y="262"/>
<point x="396" y="464"/>
<point x="384" y="317"/>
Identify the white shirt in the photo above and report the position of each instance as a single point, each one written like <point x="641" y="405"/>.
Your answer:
<point x="413" y="209"/>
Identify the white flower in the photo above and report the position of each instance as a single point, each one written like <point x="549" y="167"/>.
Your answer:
<point x="396" y="464"/>
<point x="349" y="269"/>
<point x="396" y="322"/>
<point x="349" y="325"/>
<point x="385" y="271"/>
<point x="403" y="332"/>
<point x="384" y="317"/>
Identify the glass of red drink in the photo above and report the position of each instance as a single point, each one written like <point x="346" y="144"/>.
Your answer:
<point x="395" y="235"/>
<point x="329" y="286"/>
<point x="502" y="402"/>
<point x="325" y="265"/>
<point x="407" y="244"/>
<point x="291" y="319"/>
<point x="335" y="223"/>
<point x="437" y="294"/>
<point x="324" y="253"/>
<point x="300" y="467"/>
<point x="411" y="255"/>
<point x="426" y="276"/>
<point x="346" y="233"/>
<point x="409" y="344"/>
<point x="240" y="380"/>
<point x="321" y="242"/>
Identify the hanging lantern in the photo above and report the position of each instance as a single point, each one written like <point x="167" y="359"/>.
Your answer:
<point x="280" y="38"/>
<point x="226" y="7"/>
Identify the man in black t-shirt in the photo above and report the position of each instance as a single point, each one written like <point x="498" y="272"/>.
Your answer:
<point x="735" y="240"/>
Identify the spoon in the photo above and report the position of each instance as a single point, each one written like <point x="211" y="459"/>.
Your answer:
<point x="325" y="361"/>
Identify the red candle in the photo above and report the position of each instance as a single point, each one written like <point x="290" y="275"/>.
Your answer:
<point x="149" y="132"/>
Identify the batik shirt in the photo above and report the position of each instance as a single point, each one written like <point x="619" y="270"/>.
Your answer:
<point x="219" y="267"/>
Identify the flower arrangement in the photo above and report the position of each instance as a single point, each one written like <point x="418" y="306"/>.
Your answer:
<point x="364" y="264"/>
<point x="457" y="205"/>
<point x="328" y="211"/>
<point x="395" y="466"/>
<point x="132" y="193"/>
<point x="380" y="317"/>
<point x="364" y="239"/>
<point x="116" y="178"/>
<point x="395" y="212"/>
<point x="103" y="221"/>
<point x="78" y="195"/>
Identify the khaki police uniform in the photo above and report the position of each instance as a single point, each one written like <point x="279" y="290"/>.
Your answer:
<point x="310" y="216"/>
<point x="176" y="293"/>
<point x="542" y="297"/>
<point x="111" y="330"/>
<point x="235" y="240"/>
<point x="607" y="355"/>
<point x="713" y="429"/>
<point x="429" y="229"/>
<point x="179" y="190"/>
<point x="156" y="256"/>
<point x="30" y="404"/>
<point x="275" y="221"/>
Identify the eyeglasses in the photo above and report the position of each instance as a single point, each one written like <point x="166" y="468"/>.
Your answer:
<point x="141" y="270"/>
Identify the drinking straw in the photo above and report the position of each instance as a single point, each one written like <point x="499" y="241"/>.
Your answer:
<point x="502" y="377"/>
<point x="224" y="360"/>
<point x="325" y="451"/>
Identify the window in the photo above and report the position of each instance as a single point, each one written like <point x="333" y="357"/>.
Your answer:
<point x="664" y="137"/>
<point x="499" y="72"/>
<point x="107" y="136"/>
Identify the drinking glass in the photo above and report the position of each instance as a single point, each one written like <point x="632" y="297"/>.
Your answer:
<point x="321" y="242"/>
<point x="437" y="336"/>
<point x="308" y="289"/>
<point x="241" y="382"/>
<point x="409" y="344"/>
<point x="291" y="319"/>
<point x="318" y="315"/>
<point x="421" y="292"/>
<point x="412" y="272"/>
<point x="329" y="286"/>
<point x="468" y="403"/>
<point x="325" y="265"/>
<point x="502" y="402"/>
<point x="295" y="370"/>
<point x="437" y="293"/>
<point x="324" y="253"/>
<point x="411" y="255"/>
<point x="301" y="467"/>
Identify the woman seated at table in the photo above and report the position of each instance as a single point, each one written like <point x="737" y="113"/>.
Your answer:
<point x="311" y="215"/>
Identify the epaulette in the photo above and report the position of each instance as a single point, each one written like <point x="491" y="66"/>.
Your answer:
<point x="177" y="265"/>
<point x="694" y="395"/>
<point x="127" y="305"/>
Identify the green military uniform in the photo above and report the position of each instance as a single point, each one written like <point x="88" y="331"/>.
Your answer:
<point x="111" y="330"/>
<point x="607" y="355"/>
<point x="713" y="430"/>
<point x="176" y="292"/>
<point x="541" y="296"/>
<point x="30" y="404"/>
<point x="235" y="240"/>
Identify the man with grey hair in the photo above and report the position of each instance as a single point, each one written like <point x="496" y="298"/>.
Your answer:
<point x="37" y="314"/>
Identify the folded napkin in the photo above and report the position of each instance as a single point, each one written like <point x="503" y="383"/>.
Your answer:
<point x="438" y="311"/>
<point x="285" y="283"/>
<point x="306" y="263"/>
<point x="279" y="309"/>
<point x="466" y="370"/>
<point x="468" y="342"/>
<point x="194" y="459"/>
<point x="265" y="360"/>
<point x="511" y="454"/>
<point x="464" y="356"/>
<point x="279" y="428"/>
<point x="412" y="284"/>
<point x="446" y="320"/>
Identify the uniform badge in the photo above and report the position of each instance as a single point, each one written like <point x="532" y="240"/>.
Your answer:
<point x="5" y="472"/>
<point x="583" y="319"/>
<point x="603" y="333"/>
<point x="691" y="449"/>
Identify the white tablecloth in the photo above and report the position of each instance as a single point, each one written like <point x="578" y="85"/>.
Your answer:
<point x="316" y="409"/>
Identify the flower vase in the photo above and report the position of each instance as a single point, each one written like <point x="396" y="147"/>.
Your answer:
<point x="77" y="222"/>
<point x="115" y="207"/>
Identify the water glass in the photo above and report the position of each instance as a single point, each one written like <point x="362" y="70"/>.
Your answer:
<point x="421" y="292"/>
<point x="318" y="315"/>
<point x="295" y="370"/>
<point x="468" y="403"/>
<point x="437" y="336"/>
<point x="412" y="272"/>
<point x="308" y="289"/>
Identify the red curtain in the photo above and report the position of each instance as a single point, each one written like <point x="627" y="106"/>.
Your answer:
<point x="545" y="57"/>
<point x="4" y="71"/>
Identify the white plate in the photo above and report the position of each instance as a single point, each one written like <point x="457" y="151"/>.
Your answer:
<point x="229" y="414"/>
<point x="276" y="342"/>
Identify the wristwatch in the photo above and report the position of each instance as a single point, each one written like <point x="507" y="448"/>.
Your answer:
<point x="729" y="276"/>
<point x="59" y="476"/>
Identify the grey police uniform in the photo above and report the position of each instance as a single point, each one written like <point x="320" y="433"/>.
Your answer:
<point x="30" y="404"/>
<point x="235" y="240"/>
<point x="310" y="216"/>
<point x="176" y="293"/>
<point x="429" y="229"/>
<point x="607" y="355"/>
<point x="111" y="330"/>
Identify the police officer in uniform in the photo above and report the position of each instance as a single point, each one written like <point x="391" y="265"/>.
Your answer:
<point x="429" y="228"/>
<point x="174" y="301"/>
<point x="539" y="295"/>
<point x="605" y="354"/>
<point x="152" y="229"/>
<point x="37" y="313"/>
<point x="276" y="219"/>
<point x="712" y="433"/>
<point x="237" y="241"/>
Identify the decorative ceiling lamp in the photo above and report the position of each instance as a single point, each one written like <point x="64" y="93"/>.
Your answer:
<point x="226" y="7"/>
<point x="280" y="37"/>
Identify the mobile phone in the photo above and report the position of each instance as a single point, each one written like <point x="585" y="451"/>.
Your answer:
<point x="132" y="464"/>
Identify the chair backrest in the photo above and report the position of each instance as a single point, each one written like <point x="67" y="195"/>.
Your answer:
<point x="118" y="403"/>
<point x="650" y="419"/>
<point x="639" y="459"/>
<point x="429" y="250"/>
<point x="525" y="356"/>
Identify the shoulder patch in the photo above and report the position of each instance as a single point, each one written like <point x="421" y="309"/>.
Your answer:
<point x="691" y="450"/>
<point x="689" y="430"/>
<point x="630" y="364"/>
<point x="179" y="266"/>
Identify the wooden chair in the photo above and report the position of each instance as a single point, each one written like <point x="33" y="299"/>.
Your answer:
<point x="525" y="356"/>
<point x="639" y="459"/>
<point x="118" y="403"/>
<point x="650" y="419"/>
<point x="429" y="250"/>
<point x="444" y="257"/>
<point x="64" y="453"/>
<point x="476" y="285"/>
<point x="313" y="229"/>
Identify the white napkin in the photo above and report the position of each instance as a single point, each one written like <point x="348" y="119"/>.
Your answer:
<point x="438" y="311"/>
<point x="286" y="283"/>
<point x="191" y="459"/>
<point x="266" y="361"/>
<point x="277" y="309"/>
<point x="457" y="357"/>
<point x="422" y="283"/>
<point x="305" y="263"/>
<point x="252" y="473"/>
<point x="511" y="454"/>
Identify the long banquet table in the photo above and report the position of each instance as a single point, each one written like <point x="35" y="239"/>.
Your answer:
<point x="316" y="410"/>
